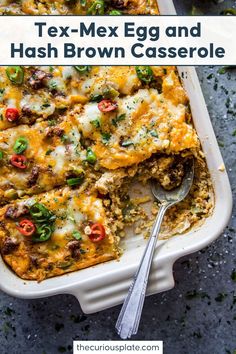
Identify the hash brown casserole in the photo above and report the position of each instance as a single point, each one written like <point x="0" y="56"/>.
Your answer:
<point x="76" y="141"/>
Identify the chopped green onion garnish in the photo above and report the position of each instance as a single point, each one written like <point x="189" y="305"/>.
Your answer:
<point x="97" y="8"/>
<point x="90" y="156"/>
<point x="53" y="85"/>
<point x="127" y="143"/>
<point x="154" y="133"/>
<point x="77" y="235"/>
<point x="96" y="123"/>
<point x="96" y="98"/>
<point x="118" y="119"/>
<point x="75" y="181"/>
<point x="106" y="137"/>
<point x="115" y="13"/>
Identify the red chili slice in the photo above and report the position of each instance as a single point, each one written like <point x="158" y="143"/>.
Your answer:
<point x="26" y="227"/>
<point x="98" y="232"/>
<point x="107" y="106"/>
<point x="19" y="161"/>
<point x="12" y="114"/>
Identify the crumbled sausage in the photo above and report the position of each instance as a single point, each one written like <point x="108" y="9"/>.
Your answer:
<point x="74" y="247"/>
<point x="34" y="261"/>
<point x="32" y="179"/>
<point x="9" y="246"/>
<point x="38" y="79"/>
<point x="54" y="131"/>
<point x="14" y="212"/>
<point x="118" y="4"/>
<point x="26" y="111"/>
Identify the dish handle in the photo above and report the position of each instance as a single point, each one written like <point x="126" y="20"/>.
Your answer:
<point x="96" y="296"/>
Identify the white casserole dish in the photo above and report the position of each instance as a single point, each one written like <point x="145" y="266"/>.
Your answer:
<point x="106" y="285"/>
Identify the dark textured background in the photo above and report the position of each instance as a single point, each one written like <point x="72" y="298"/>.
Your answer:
<point x="199" y="314"/>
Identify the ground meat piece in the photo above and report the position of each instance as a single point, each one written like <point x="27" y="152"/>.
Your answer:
<point x="14" y="212"/>
<point x="118" y="4"/>
<point x="38" y="79"/>
<point x="57" y="93"/>
<point x="26" y="111"/>
<point x="32" y="179"/>
<point x="54" y="131"/>
<point x="34" y="261"/>
<point x="74" y="247"/>
<point x="9" y="246"/>
<point x="175" y="177"/>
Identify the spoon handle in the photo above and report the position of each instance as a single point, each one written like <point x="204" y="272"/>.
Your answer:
<point x="129" y="318"/>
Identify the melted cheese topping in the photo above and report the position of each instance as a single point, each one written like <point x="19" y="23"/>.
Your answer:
<point x="46" y="90"/>
<point x="74" y="212"/>
<point x="60" y="121"/>
<point x="149" y="123"/>
<point x="54" y="150"/>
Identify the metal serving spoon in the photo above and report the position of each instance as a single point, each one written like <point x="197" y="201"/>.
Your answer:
<point x="129" y="318"/>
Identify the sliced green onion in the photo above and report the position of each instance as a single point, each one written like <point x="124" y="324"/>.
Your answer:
<point x="154" y="133"/>
<point x="127" y="143"/>
<point x="15" y="74"/>
<point x="82" y="69"/>
<point x="96" y="98"/>
<point x="53" y="85"/>
<point x="97" y="8"/>
<point x="144" y="73"/>
<point x="118" y="119"/>
<point x="90" y="156"/>
<point x="106" y="137"/>
<point x="96" y="123"/>
<point x="115" y="13"/>
<point x="21" y="145"/>
<point x="75" y="181"/>
<point x="77" y="235"/>
<point x="1" y="155"/>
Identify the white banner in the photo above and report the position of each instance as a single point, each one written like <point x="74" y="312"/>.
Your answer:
<point x="123" y="347"/>
<point x="118" y="40"/>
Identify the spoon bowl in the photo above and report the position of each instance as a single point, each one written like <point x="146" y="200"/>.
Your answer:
<point x="175" y="195"/>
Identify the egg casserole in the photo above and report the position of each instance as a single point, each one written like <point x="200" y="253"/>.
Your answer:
<point x="75" y="142"/>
